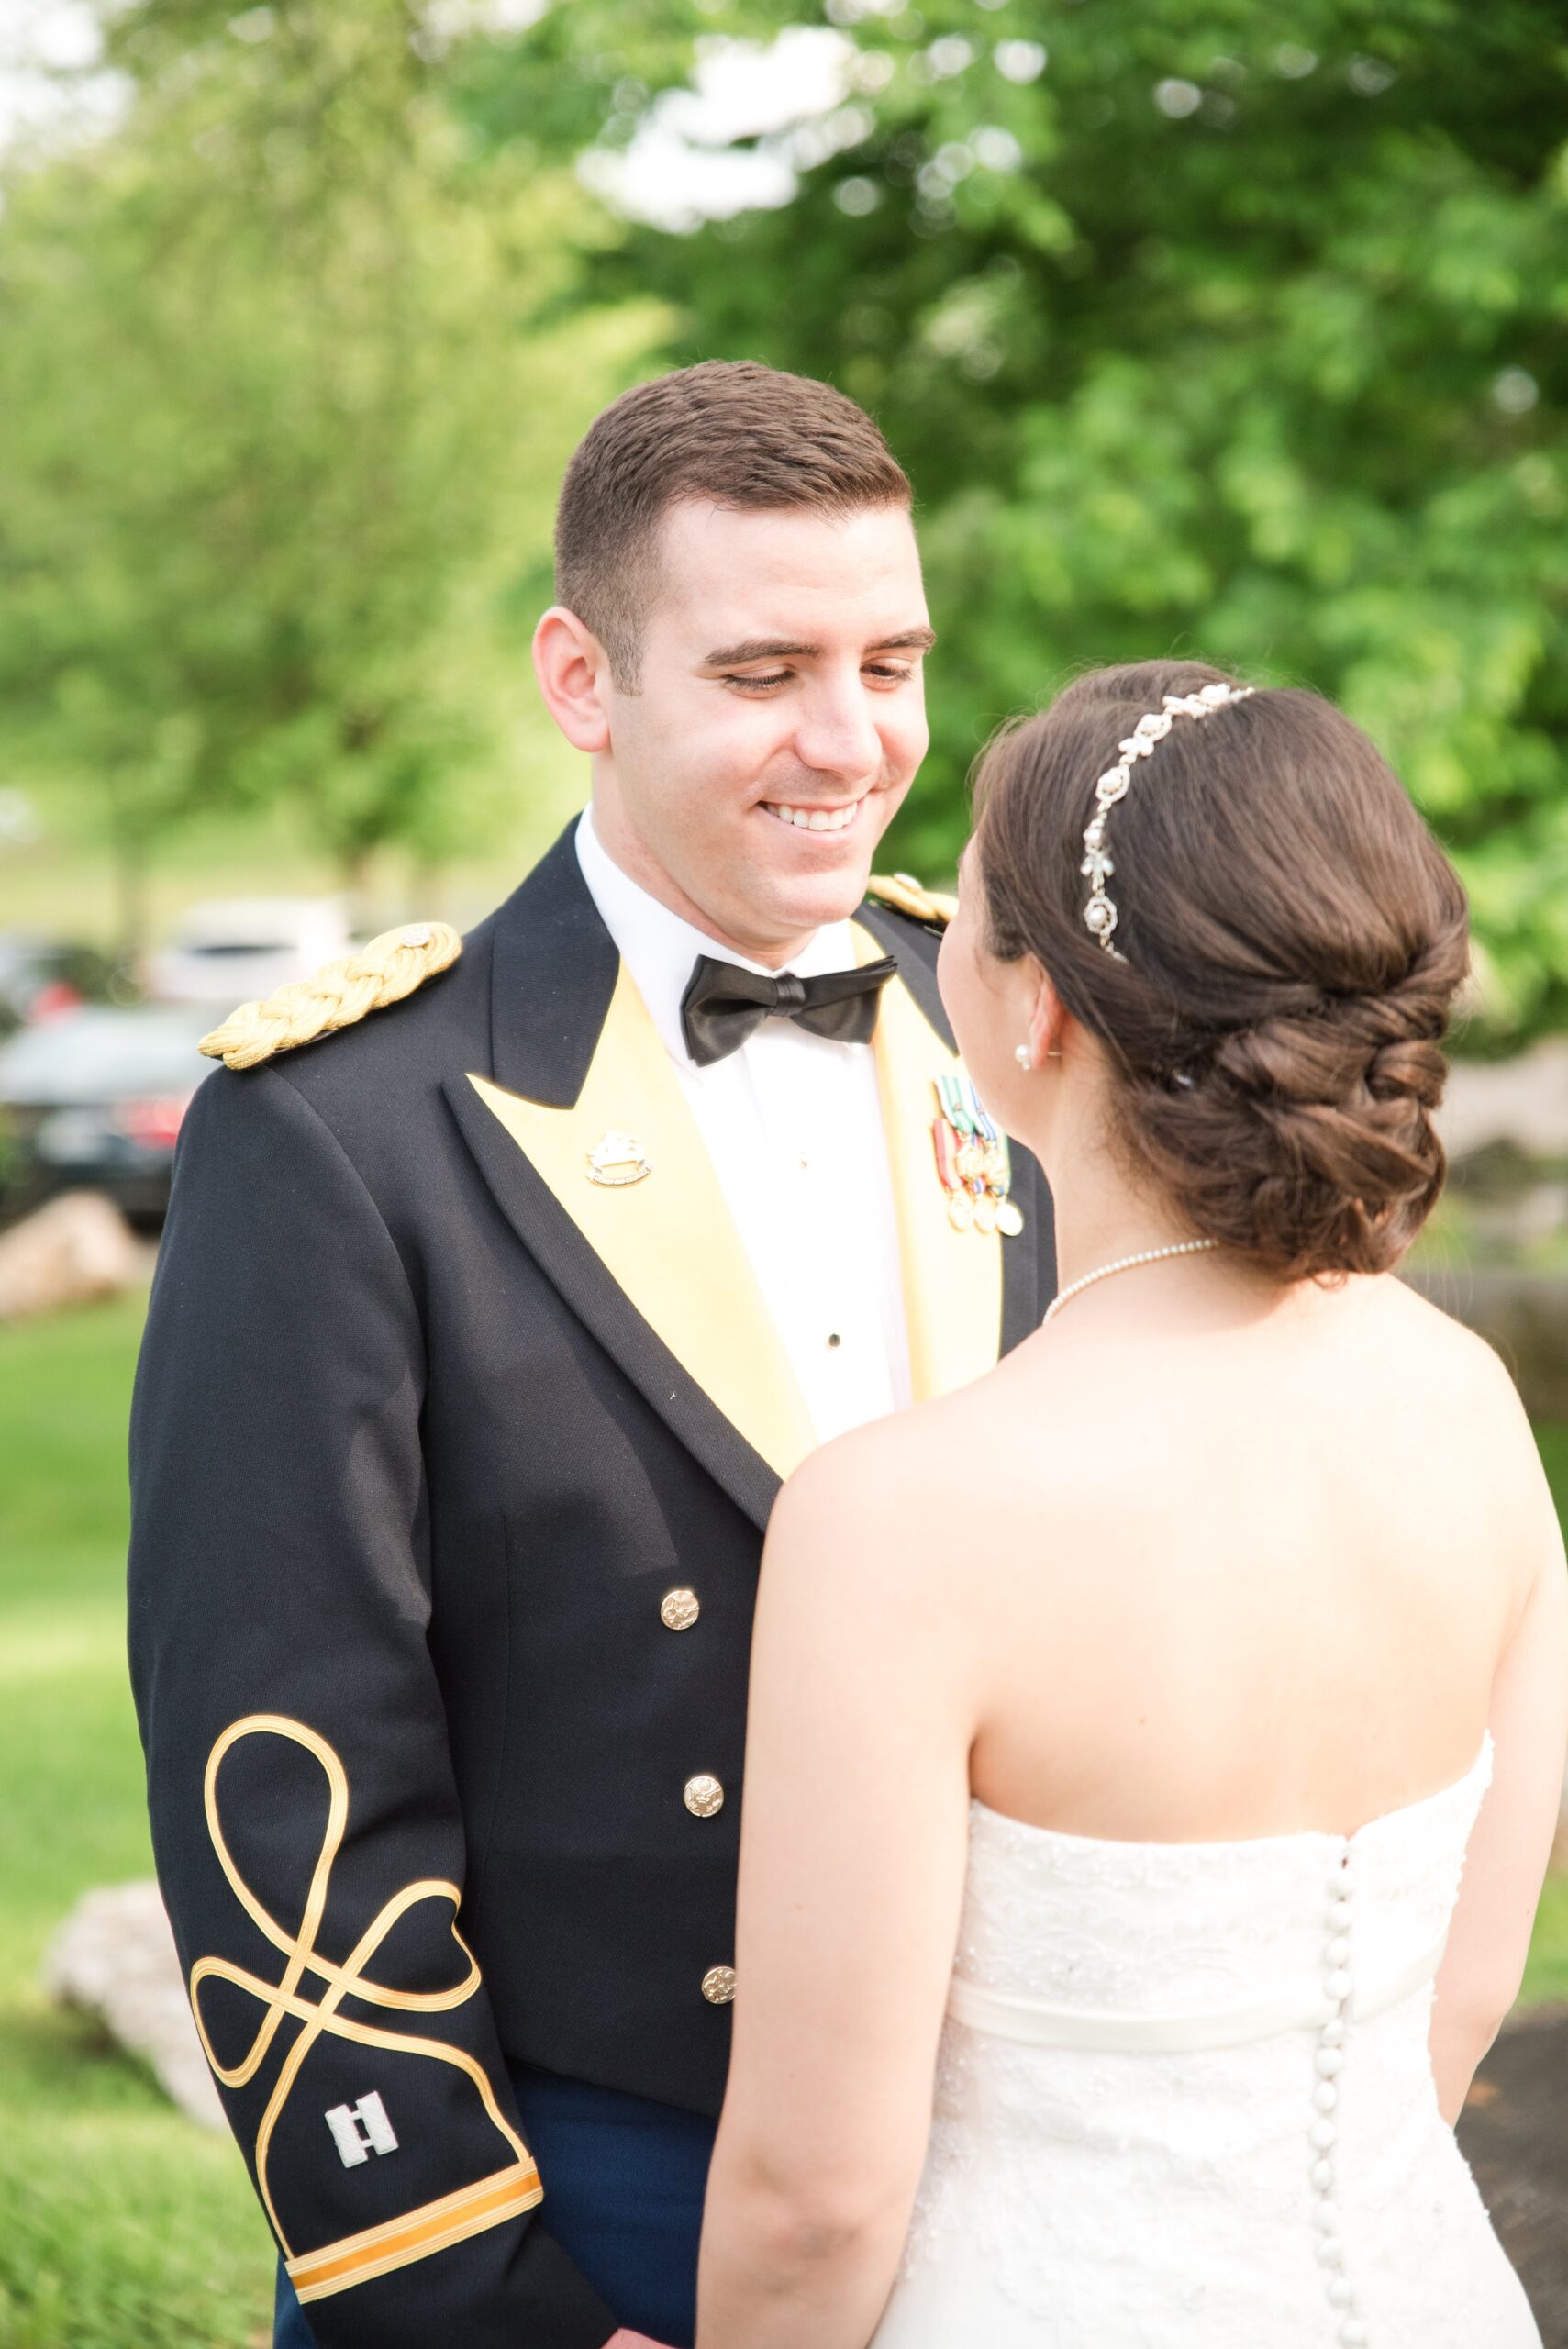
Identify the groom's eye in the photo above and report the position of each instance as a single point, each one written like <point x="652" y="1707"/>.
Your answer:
<point x="894" y="673"/>
<point x="759" y="684"/>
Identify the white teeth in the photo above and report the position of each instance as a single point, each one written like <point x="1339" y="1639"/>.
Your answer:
<point x="816" y="819"/>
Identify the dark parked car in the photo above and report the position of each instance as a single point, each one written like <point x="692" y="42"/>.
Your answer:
<point x="41" y="977"/>
<point x="93" y="1098"/>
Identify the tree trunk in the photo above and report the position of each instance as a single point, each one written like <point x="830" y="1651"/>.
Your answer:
<point x="132" y="905"/>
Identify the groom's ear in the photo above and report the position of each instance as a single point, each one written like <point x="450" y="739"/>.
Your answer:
<point x="574" y="673"/>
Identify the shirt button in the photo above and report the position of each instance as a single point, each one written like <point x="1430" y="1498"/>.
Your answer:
<point x="718" y="1986"/>
<point x="679" y="1609"/>
<point x="703" y="1795"/>
<point x="834" y="1338"/>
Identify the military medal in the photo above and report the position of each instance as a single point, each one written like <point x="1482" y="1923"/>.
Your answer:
<point x="961" y="1211"/>
<point x="957" y="1135"/>
<point x="984" y="1168"/>
<point x="1002" y="1213"/>
<point x="972" y="1165"/>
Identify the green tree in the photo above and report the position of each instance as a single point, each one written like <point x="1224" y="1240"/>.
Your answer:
<point x="1217" y="326"/>
<point x="289" y="371"/>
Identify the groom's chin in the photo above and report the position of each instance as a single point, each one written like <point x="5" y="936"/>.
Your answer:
<point x="805" y="883"/>
<point x="803" y="897"/>
<point x="801" y="904"/>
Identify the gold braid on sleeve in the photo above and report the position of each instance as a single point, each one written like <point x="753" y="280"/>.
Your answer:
<point x="337" y="994"/>
<point x="294" y="1998"/>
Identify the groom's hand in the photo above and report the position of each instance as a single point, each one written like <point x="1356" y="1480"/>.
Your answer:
<point x="624" y="2340"/>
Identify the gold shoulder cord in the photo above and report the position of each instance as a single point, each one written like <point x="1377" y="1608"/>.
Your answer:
<point x="337" y="994"/>
<point x="414" y="2234"/>
<point x="906" y="896"/>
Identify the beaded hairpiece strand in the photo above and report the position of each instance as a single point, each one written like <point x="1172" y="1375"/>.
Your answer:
<point x="1100" y="913"/>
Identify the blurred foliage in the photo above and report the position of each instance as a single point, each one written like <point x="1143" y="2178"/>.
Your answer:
<point x="1202" y="325"/>
<point x="289" y="375"/>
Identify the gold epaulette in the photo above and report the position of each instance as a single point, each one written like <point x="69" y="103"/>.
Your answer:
<point x="337" y="994"/>
<point x="905" y="895"/>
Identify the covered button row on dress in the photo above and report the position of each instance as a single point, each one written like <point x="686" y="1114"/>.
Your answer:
<point x="1329" y="2061"/>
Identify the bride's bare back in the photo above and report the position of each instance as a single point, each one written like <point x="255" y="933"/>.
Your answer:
<point x="1246" y="1572"/>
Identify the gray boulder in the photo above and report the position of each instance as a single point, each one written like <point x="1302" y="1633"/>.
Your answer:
<point x="114" y="1958"/>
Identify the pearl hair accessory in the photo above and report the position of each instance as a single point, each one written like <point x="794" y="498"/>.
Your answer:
<point x="1100" y="913"/>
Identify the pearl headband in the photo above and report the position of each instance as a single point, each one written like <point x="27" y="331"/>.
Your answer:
<point x="1100" y="914"/>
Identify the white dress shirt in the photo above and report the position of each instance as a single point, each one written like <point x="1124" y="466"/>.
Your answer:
<point x="793" y="1125"/>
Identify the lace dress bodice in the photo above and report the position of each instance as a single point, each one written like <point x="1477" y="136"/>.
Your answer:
<point x="1183" y="2100"/>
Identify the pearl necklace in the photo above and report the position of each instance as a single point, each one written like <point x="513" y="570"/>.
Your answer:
<point x="1126" y="1265"/>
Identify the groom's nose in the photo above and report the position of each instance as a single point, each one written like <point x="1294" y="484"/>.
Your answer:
<point x="836" y="732"/>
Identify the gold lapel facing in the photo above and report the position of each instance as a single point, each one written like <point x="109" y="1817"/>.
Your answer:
<point x="668" y="1239"/>
<point x="952" y="1280"/>
<point x="670" y="1243"/>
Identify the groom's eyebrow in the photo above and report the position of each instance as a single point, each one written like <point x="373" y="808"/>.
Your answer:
<point x="769" y="648"/>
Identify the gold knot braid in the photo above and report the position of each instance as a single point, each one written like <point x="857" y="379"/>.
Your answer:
<point x="905" y="895"/>
<point x="337" y="994"/>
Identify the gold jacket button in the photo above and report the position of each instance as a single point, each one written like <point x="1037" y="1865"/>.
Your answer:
<point x="703" y="1795"/>
<point x="679" y="1609"/>
<point x="718" y="1986"/>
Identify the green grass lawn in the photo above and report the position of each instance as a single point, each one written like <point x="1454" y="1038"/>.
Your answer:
<point x="122" y="2226"/>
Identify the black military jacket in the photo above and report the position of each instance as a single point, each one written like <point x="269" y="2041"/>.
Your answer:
<point x="451" y="1466"/>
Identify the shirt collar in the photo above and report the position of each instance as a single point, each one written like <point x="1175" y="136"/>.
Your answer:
<point x="659" y="947"/>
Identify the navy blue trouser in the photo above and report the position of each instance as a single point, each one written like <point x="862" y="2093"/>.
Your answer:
<point x="624" y="2180"/>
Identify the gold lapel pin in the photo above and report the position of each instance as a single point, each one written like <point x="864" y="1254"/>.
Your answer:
<point x="618" y="1161"/>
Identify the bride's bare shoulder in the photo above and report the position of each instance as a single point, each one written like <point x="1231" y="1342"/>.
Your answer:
<point x="1451" y="1352"/>
<point x="910" y="1483"/>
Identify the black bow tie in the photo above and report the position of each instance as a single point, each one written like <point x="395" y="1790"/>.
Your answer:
<point x="723" y="1004"/>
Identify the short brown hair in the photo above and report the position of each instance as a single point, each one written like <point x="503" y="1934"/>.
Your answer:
<point x="733" y="431"/>
<point x="1294" y="936"/>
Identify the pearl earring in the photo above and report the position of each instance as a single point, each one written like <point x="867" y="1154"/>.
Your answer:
<point x="1023" y="1056"/>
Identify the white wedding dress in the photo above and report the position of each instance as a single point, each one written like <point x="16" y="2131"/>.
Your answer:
<point x="1184" y="2101"/>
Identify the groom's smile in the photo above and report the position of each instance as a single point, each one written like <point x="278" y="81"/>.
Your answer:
<point x="816" y="819"/>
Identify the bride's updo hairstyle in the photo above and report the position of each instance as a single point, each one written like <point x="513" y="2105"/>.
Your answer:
<point x="1293" y="936"/>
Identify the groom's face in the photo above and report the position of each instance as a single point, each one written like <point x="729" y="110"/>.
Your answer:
<point x="778" y="720"/>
